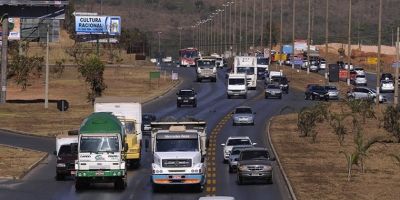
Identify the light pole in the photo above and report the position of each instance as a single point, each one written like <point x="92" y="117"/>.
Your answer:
<point x="230" y="25"/>
<point x="159" y="46"/>
<point x="293" y="30"/>
<point x="234" y="28"/>
<point x="270" y="33"/>
<point x="180" y="37"/>
<point x="254" y="25"/>
<point x="4" y="47"/>
<point x="349" y="48"/>
<point x="262" y="23"/>
<point x="378" y="70"/>
<point x="240" y="28"/>
<point x="326" y="37"/>
<point x="221" y="33"/>
<point x="281" y="26"/>
<point x="246" y="26"/>
<point x="308" y="36"/>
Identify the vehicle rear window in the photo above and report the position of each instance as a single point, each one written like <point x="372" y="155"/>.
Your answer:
<point x="186" y="92"/>
<point x="254" y="155"/>
<point x="66" y="149"/>
<point x="233" y="142"/>
<point x="271" y="86"/>
<point x="360" y="76"/>
<point x="330" y="87"/>
<point x="243" y="110"/>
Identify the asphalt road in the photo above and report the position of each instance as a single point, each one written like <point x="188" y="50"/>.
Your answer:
<point x="212" y="107"/>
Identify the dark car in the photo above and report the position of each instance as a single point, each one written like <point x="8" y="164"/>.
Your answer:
<point x="314" y="92"/>
<point x="282" y="81"/>
<point x="186" y="97"/>
<point x="147" y="118"/>
<point x="66" y="156"/>
<point x="254" y="164"/>
<point x="386" y="76"/>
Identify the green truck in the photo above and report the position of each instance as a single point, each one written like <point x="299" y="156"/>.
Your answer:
<point x="101" y="148"/>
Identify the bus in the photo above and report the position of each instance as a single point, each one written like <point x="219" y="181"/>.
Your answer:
<point x="187" y="57"/>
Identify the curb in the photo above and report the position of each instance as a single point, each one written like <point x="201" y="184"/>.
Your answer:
<point x="289" y="186"/>
<point x="25" y="172"/>
<point x="164" y="93"/>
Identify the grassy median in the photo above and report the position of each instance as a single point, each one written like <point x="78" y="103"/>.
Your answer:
<point x="33" y="118"/>
<point x="15" y="162"/>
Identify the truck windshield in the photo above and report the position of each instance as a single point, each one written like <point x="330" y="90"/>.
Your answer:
<point x="206" y="63"/>
<point x="235" y="81"/>
<point x="99" y="144"/>
<point x="254" y="155"/>
<point x="170" y="145"/>
<point x="262" y="61"/>
<point x="247" y="70"/>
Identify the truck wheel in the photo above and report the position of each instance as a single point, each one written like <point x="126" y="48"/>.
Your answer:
<point x="156" y="188"/>
<point x="228" y="96"/>
<point x="120" y="184"/>
<point x="134" y="164"/>
<point x="245" y="96"/>
<point x="60" y="177"/>
<point x="178" y="105"/>
<point x="312" y="97"/>
<point x="198" y="188"/>
<point x="79" y="185"/>
<point x="239" y="180"/>
<point x="230" y="169"/>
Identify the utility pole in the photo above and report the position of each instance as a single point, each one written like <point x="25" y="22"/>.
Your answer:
<point x="349" y="46"/>
<point x="221" y="40"/>
<point x="46" y="90"/>
<point x="270" y="32"/>
<point x="326" y="37"/>
<point x="254" y="25"/>
<point x="225" y="31"/>
<point x="234" y="28"/>
<point x="281" y="26"/>
<point x="159" y="46"/>
<point x="262" y="24"/>
<point x="293" y="30"/>
<point x="180" y="37"/>
<point x="240" y="28"/>
<point x="378" y="70"/>
<point x="4" y="58"/>
<point x="246" y="26"/>
<point x="396" y="88"/>
<point x="309" y="36"/>
<point x="230" y="27"/>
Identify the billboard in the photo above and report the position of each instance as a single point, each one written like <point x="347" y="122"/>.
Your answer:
<point x="14" y="28"/>
<point x="98" y="25"/>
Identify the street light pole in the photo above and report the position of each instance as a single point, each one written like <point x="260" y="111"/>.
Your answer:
<point x="308" y="36"/>
<point x="254" y="25"/>
<point x="396" y="76"/>
<point x="230" y="26"/>
<point x="378" y="70"/>
<point x="326" y="37"/>
<point x="234" y="28"/>
<point x="159" y="46"/>
<point x="246" y="25"/>
<point x="293" y="30"/>
<point x="4" y="58"/>
<point x="240" y="28"/>
<point x="270" y="33"/>
<point x="225" y="31"/>
<point x="349" y="46"/>
<point x="46" y="88"/>
<point x="281" y="26"/>
<point x="262" y="24"/>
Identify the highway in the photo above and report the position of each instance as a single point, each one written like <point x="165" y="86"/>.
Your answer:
<point x="213" y="106"/>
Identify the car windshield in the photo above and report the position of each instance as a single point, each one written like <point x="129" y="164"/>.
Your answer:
<point x="330" y="87"/>
<point x="237" y="150"/>
<point x="318" y="88"/>
<point x="272" y="86"/>
<point x="234" y="142"/>
<point x="99" y="144"/>
<point x="262" y="61"/>
<point x="236" y="81"/>
<point x="243" y="111"/>
<point x="186" y="92"/>
<point x="261" y="70"/>
<point x="247" y="70"/>
<point x="148" y="118"/>
<point x="360" y="76"/>
<point x="169" y="145"/>
<point x="66" y="149"/>
<point x="254" y="155"/>
<point x="387" y="82"/>
<point x="206" y="63"/>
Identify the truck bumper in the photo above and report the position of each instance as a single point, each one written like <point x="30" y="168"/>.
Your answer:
<point x="178" y="179"/>
<point x="101" y="176"/>
<point x="133" y="156"/>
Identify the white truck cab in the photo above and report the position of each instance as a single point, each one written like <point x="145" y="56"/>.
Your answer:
<point x="247" y="65"/>
<point x="237" y="85"/>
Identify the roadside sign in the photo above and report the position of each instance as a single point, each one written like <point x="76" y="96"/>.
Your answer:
<point x="110" y="25"/>
<point x="396" y="64"/>
<point x="174" y="76"/>
<point x="372" y="60"/>
<point x="154" y="75"/>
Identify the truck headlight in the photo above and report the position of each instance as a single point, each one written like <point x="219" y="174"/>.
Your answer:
<point x="191" y="97"/>
<point x="60" y="164"/>
<point x="267" y="168"/>
<point x="242" y="168"/>
<point x="179" y="98"/>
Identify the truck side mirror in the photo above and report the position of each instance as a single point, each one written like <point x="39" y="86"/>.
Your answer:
<point x="223" y="145"/>
<point x="207" y="142"/>
<point x="126" y="146"/>
<point x="55" y="152"/>
<point x="254" y="144"/>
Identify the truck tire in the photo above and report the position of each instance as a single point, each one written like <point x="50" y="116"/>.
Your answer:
<point x="245" y="96"/>
<point x="230" y="169"/>
<point x="79" y="185"/>
<point x="178" y="105"/>
<point x="120" y="184"/>
<point x="228" y="96"/>
<point x="156" y="188"/>
<point x="134" y="164"/>
<point x="239" y="180"/>
<point x="60" y="177"/>
<point x="198" y="188"/>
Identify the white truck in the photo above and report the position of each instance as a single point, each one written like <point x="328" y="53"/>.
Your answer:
<point x="206" y="68"/>
<point x="179" y="150"/>
<point x="262" y="67"/>
<point x="237" y="85"/>
<point x="129" y="111"/>
<point x="247" y="65"/>
<point x="273" y="74"/>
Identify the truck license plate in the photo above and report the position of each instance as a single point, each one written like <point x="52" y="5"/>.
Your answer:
<point x="99" y="173"/>
<point x="176" y="177"/>
<point x="185" y="101"/>
<point x="73" y="173"/>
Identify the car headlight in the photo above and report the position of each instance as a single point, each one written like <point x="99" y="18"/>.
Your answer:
<point x="242" y="168"/>
<point x="191" y="97"/>
<point x="267" y="168"/>
<point x="60" y="164"/>
<point x="179" y="98"/>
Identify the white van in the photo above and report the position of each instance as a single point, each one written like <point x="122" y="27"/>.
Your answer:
<point x="237" y="85"/>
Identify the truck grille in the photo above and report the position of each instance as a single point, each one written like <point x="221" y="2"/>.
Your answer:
<point x="177" y="163"/>
<point x="255" y="167"/>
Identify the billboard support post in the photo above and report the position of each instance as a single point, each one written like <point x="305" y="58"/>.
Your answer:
<point x="4" y="58"/>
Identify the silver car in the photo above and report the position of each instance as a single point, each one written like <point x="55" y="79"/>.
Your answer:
<point x="273" y="90"/>
<point x="333" y="92"/>
<point x="234" y="156"/>
<point x="365" y="93"/>
<point x="243" y="115"/>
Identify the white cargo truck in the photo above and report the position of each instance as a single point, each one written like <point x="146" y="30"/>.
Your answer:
<point x="247" y="65"/>
<point x="179" y="150"/>
<point x="237" y="85"/>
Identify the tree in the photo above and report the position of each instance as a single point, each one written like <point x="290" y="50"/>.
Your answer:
<point x="23" y="67"/>
<point x="391" y="118"/>
<point x="308" y="117"/>
<point x="362" y="107"/>
<point x="92" y="69"/>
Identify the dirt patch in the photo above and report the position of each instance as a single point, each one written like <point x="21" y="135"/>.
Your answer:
<point x="33" y="118"/>
<point x="318" y="171"/>
<point x="15" y="162"/>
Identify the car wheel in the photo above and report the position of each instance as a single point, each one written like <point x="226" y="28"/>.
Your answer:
<point x="195" y="105"/>
<point x="239" y="180"/>
<point x="233" y="124"/>
<point x="266" y="96"/>
<point x="280" y="97"/>
<point x="230" y="169"/>
<point x="245" y="96"/>
<point x="60" y="177"/>
<point x="312" y="97"/>
<point x="306" y="97"/>
<point x="228" y="96"/>
<point x="178" y="105"/>
<point x="156" y="188"/>
<point x="198" y="80"/>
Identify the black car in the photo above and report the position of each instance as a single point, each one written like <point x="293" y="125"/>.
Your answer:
<point x="314" y="92"/>
<point x="186" y="97"/>
<point x="282" y="81"/>
<point x="147" y="118"/>
<point x="386" y="76"/>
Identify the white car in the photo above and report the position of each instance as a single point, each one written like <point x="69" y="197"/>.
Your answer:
<point x="346" y="66"/>
<point x="322" y="64"/>
<point x="360" y="80"/>
<point x="359" y="71"/>
<point x="217" y="198"/>
<point x="387" y="86"/>
<point x="153" y="60"/>
<point x="167" y="59"/>
<point x="234" y="141"/>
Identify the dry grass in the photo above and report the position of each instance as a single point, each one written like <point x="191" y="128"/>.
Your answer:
<point x="33" y="118"/>
<point x="16" y="161"/>
<point x="318" y="170"/>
